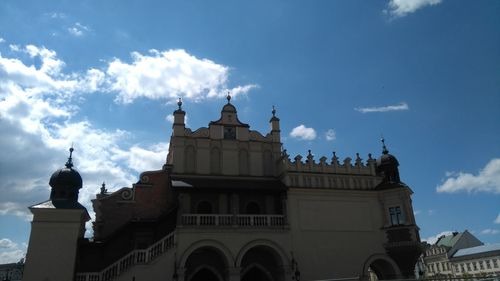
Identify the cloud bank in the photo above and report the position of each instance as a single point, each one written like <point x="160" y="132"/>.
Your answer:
<point x="486" y="180"/>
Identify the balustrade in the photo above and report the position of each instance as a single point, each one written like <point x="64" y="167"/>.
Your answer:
<point x="233" y="220"/>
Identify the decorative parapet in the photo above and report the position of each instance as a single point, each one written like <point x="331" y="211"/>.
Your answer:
<point x="333" y="175"/>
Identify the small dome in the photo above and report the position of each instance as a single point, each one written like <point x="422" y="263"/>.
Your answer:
<point x="66" y="177"/>
<point x="387" y="160"/>
<point x="229" y="108"/>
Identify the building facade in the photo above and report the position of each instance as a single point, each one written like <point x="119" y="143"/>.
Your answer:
<point x="229" y="204"/>
<point x="437" y="256"/>
<point x="12" y="271"/>
<point x="478" y="262"/>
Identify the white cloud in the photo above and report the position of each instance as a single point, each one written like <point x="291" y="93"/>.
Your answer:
<point x="487" y="180"/>
<point x="78" y="29"/>
<point x="169" y="75"/>
<point x="170" y="118"/>
<point x="490" y="231"/>
<point x="37" y="128"/>
<point x="2" y="40"/>
<point x="400" y="8"/>
<point x="417" y="212"/>
<point x="330" y="135"/>
<point x="433" y="239"/>
<point x="497" y="220"/>
<point x="7" y="243"/>
<point x="398" y="107"/>
<point x="304" y="133"/>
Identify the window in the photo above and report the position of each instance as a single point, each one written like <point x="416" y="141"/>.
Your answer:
<point x="229" y="133"/>
<point x="495" y="263"/>
<point x="396" y="215"/>
<point x="488" y="264"/>
<point x="462" y="267"/>
<point x="481" y="265"/>
<point x="468" y="266"/>
<point x="474" y="264"/>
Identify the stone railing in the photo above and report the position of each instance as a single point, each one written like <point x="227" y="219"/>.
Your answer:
<point x="233" y="220"/>
<point x="135" y="257"/>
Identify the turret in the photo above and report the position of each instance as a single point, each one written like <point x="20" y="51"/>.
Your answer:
<point x="179" y="125"/>
<point x="275" y="126"/>
<point x="57" y="225"/>
<point x="387" y="166"/>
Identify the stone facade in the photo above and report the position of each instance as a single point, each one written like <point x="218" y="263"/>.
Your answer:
<point x="230" y="205"/>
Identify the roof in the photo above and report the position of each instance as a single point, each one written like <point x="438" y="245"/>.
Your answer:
<point x="449" y="240"/>
<point x="271" y="184"/>
<point x="477" y="250"/>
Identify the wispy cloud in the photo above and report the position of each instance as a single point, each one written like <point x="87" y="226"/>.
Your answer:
<point x="10" y="251"/>
<point x="490" y="231"/>
<point x="486" y="180"/>
<point x="330" y="135"/>
<point x="401" y="8"/>
<point x="497" y="220"/>
<point x="304" y="133"/>
<point x="2" y="40"/>
<point x="78" y="29"/>
<point x="398" y="107"/>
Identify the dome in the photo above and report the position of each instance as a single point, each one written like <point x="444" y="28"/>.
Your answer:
<point x="229" y="108"/>
<point x="66" y="177"/>
<point x="387" y="160"/>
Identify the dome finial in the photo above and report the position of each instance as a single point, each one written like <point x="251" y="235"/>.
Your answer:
<point x="228" y="97"/>
<point x="384" y="148"/>
<point x="274" y="111"/>
<point x="69" y="163"/>
<point x="179" y="103"/>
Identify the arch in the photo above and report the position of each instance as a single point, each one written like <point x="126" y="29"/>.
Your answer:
<point x="253" y="208"/>
<point x="215" y="161"/>
<point x="203" y="270"/>
<point x="285" y="260"/>
<point x="218" y="246"/>
<point x="204" y="207"/>
<point x="258" y="267"/>
<point x="190" y="159"/>
<point x="383" y="266"/>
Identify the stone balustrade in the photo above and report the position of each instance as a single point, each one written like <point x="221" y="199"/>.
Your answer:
<point x="215" y="220"/>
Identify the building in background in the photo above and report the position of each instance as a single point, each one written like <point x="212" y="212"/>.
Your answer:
<point x="229" y="204"/>
<point x="437" y="256"/>
<point x="12" y="271"/>
<point x="479" y="262"/>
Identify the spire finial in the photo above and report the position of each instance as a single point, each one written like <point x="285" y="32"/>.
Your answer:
<point x="384" y="148"/>
<point x="228" y="97"/>
<point x="179" y="103"/>
<point x="103" y="188"/>
<point x="69" y="163"/>
<point x="274" y="111"/>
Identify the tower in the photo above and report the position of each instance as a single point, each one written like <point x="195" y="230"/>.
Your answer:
<point x="57" y="225"/>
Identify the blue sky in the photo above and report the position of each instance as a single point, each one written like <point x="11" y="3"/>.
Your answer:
<point x="425" y="74"/>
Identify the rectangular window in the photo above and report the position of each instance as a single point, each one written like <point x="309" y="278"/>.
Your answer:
<point x="481" y="265"/>
<point x="488" y="264"/>
<point x="396" y="215"/>
<point x="474" y="264"/>
<point x="462" y="267"/>
<point x="495" y="263"/>
<point x="468" y="266"/>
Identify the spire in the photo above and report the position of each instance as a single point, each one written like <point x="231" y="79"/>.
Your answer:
<point x="384" y="148"/>
<point x="179" y="103"/>
<point x="228" y="97"/>
<point x="69" y="163"/>
<point x="103" y="188"/>
<point x="274" y="111"/>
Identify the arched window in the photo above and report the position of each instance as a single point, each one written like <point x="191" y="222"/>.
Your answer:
<point x="252" y="208"/>
<point x="215" y="161"/>
<point x="204" y="207"/>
